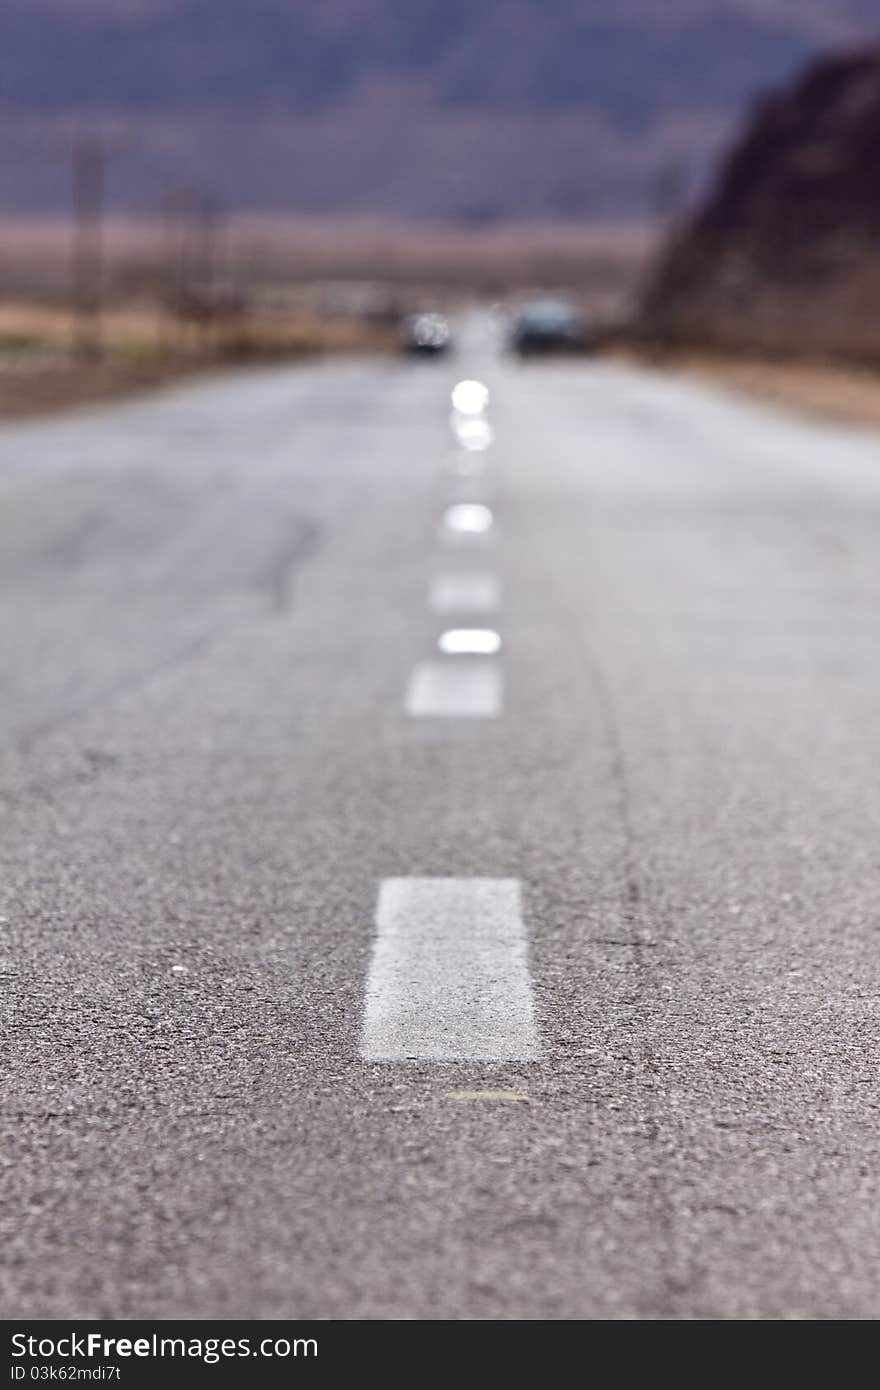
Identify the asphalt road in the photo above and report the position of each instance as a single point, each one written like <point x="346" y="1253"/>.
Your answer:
<point x="220" y="1098"/>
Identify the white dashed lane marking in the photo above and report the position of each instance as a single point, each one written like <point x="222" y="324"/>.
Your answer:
<point x="472" y="434"/>
<point x="465" y="594"/>
<point x="470" y="398"/>
<point x="449" y="978"/>
<point x="467" y="519"/>
<point x="467" y="688"/>
<point x="469" y="641"/>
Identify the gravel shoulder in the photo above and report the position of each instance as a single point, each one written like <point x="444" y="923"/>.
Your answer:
<point x="845" y="394"/>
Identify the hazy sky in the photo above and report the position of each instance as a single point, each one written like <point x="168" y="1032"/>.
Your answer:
<point x="439" y="108"/>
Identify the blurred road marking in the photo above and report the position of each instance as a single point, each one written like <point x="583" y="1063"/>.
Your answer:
<point x="467" y="688"/>
<point x="473" y="435"/>
<point x="465" y="593"/>
<point x="449" y="978"/>
<point x="467" y="519"/>
<point x="470" y="397"/>
<point x="469" y="641"/>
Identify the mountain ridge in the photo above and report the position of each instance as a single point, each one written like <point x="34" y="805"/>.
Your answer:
<point x="385" y="94"/>
<point x="781" y="256"/>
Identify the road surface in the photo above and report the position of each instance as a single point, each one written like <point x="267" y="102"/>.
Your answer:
<point x="349" y="977"/>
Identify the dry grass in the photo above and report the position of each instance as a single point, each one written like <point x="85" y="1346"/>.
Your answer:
<point x="58" y="388"/>
<point x="142" y="347"/>
<point x="844" y="393"/>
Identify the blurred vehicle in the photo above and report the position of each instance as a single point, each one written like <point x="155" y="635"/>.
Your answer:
<point x="426" y="334"/>
<point x="551" y="325"/>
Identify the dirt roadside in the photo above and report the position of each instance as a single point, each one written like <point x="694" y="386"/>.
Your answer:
<point x="842" y="393"/>
<point x="40" y="375"/>
<point x="43" y="390"/>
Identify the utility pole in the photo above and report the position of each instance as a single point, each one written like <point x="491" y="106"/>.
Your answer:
<point x="173" y="270"/>
<point x="89" y="172"/>
<point x="208" y="215"/>
<point x="191" y="222"/>
<point x="208" y="219"/>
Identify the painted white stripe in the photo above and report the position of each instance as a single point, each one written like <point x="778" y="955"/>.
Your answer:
<point x="472" y="434"/>
<point x="449" y="978"/>
<point x="470" y="688"/>
<point x="470" y="397"/>
<point x="465" y="593"/>
<point x="470" y="641"/>
<point x="467" y="519"/>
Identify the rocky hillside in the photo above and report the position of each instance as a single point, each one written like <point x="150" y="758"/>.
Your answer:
<point x="785" y="253"/>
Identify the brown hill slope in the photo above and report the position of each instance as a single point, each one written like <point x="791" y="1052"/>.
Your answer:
<point x="785" y="253"/>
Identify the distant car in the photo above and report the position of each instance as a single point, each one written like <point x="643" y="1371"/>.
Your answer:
<point x="549" y="326"/>
<point x="426" y="334"/>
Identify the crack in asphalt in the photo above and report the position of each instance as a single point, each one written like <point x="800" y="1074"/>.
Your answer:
<point x="276" y="583"/>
